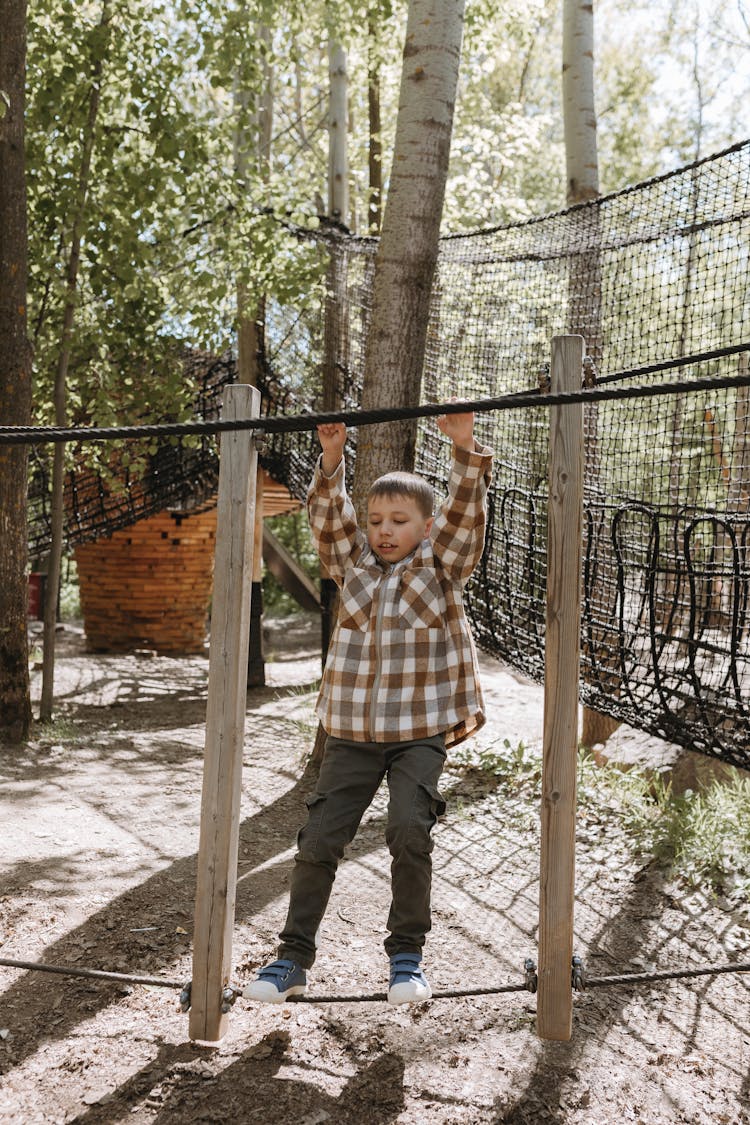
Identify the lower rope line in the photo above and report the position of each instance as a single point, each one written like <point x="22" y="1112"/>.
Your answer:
<point x="665" y="974"/>
<point x="94" y="974"/>
<point x="622" y="980"/>
<point x="591" y="982"/>
<point x="442" y="994"/>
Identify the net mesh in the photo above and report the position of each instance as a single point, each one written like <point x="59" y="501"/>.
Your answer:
<point x="650" y="275"/>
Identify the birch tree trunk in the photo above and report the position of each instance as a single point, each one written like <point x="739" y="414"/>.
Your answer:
<point x="582" y="176"/>
<point x="15" y="380"/>
<point x="338" y="128"/>
<point x="335" y="303"/>
<point x="61" y="374"/>
<point x="375" y="143"/>
<point x="579" y="114"/>
<point x="407" y="253"/>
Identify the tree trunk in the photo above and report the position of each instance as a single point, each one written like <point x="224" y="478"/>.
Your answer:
<point x="375" y="143"/>
<point x="335" y="308"/>
<point x="61" y="376"/>
<point x="251" y="312"/>
<point x="15" y="380"/>
<point x="579" y="114"/>
<point x="408" y="247"/>
<point x="338" y="167"/>
<point x="582" y="175"/>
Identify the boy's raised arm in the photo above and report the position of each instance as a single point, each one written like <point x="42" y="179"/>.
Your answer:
<point x="458" y="529"/>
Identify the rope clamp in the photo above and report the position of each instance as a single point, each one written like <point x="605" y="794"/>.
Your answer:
<point x="185" y="996"/>
<point x="589" y="372"/>
<point x="545" y="381"/>
<point x="578" y="976"/>
<point x="530" y="978"/>
<point x="260" y="440"/>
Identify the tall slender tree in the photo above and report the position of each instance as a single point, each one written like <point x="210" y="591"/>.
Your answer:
<point x="407" y="252"/>
<point x="76" y="234"/>
<point x="374" y="122"/>
<point x="15" y="377"/>
<point x="582" y="186"/>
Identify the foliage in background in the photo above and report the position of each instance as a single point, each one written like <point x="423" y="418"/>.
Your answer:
<point x="170" y="230"/>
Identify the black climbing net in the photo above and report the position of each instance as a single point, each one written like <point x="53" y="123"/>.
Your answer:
<point x="656" y="278"/>
<point x="652" y="275"/>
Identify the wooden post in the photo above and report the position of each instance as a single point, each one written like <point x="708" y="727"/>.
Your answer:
<point x="562" y="656"/>
<point x="225" y="720"/>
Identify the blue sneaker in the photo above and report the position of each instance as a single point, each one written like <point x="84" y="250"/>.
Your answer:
<point x="408" y="984"/>
<point x="277" y="982"/>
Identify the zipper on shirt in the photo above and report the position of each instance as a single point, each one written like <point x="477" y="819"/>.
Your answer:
<point x="378" y="631"/>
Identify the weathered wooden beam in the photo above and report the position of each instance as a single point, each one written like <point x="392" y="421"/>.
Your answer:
<point x="225" y="720"/>
<point x="562" y="660"/>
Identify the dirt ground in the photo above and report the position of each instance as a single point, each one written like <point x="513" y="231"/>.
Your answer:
<point x="100" y="829"/>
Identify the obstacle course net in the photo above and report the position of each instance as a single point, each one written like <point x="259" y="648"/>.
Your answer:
<point x="655" y="274"/>
<point x="649" y="276"/>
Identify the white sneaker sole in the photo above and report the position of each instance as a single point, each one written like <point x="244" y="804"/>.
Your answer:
<point x="266" y="993"/>
<point x="409" y="993"/>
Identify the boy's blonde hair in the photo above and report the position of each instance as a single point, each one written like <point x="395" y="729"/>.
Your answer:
<point x="405" y="484"/>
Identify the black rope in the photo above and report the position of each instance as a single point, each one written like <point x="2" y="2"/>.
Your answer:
<point x="33" y="435"/>
<point x="93" y="974"/>
<point x="670" y="364"/>
<point x="624" y="979"/>
<point x="373" y="997"/>
<point x="591" y="982"/>
<point x="665" y="974"/>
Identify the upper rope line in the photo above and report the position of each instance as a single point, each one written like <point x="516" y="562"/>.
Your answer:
<point x="33" y="435"/>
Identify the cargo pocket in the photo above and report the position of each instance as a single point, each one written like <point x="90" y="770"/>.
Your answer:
<point x="435" y="802"/>
<point x="422" y="602"/>
<point x="309" y="834"/>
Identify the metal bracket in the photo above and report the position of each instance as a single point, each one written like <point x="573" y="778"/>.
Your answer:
<point x="578" y="976"/>
<point x="228" y="997"/>
<point x="530" y="977"/>
<point x="545" y="381"/>
<point x="185" y="996"/>
<point x="260" y="440"/>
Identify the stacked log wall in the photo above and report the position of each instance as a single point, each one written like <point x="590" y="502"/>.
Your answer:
<point x="149" y="585"/>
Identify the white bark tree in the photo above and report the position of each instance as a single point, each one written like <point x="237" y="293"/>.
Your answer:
<point x="338" y="128"/>
<point x="579" y="113"/>
<point x="408" y="247"/>
<point x="582" y="176"/>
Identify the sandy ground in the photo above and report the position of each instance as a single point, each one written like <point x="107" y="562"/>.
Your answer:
<point x="100" y="828"/>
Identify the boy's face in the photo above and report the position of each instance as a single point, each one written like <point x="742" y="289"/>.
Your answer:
<point x="395" y="526"/>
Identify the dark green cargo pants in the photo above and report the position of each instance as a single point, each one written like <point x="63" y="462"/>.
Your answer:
<point x="350" y="775"/>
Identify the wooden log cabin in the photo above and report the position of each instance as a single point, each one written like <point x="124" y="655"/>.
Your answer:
<point x="148" y="586"/>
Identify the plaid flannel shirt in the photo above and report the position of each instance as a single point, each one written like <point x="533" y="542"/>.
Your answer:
<point x="401" y="663"/>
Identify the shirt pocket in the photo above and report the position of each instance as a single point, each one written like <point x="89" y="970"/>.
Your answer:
<point x="355" y="599"/>
<point x="422" y="601"/>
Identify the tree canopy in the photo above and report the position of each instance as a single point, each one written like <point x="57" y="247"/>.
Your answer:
<point x="170" y="229"/>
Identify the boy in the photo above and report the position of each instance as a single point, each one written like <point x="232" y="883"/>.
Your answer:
<point x="400" y="685"/>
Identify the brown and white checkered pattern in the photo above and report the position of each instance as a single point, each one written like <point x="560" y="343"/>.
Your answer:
<point x="401" y="664"/>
